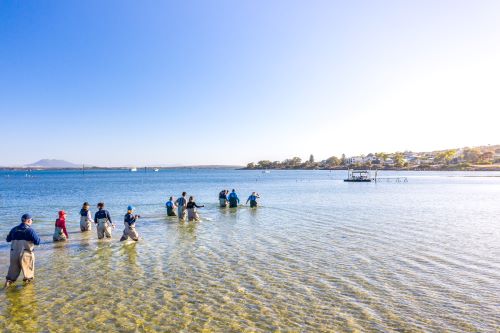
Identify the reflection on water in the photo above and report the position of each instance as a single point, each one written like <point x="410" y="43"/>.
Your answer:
<point x="21" y="309"/>
<point x="318" y="255"/>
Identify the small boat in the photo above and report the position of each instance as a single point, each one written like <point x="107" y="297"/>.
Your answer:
<point x="156" y="170"/>
<point x="133" y="170"/>
<point x="266" y="171"/>
<point x="359" y="176"/>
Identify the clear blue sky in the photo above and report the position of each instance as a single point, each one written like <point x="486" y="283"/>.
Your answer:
<point x="229" y="82"/>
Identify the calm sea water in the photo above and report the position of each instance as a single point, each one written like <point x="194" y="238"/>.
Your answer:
<point x="319" y="255"/>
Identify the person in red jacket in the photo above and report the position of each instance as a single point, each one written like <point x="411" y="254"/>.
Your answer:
<point x="60" y="232"/>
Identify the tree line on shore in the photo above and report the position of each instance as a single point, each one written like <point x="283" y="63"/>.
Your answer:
<point x="296" y="163"/>
<point x="446" y="159"/>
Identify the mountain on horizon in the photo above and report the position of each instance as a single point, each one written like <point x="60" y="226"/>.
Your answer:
<point x="52" y="163"/>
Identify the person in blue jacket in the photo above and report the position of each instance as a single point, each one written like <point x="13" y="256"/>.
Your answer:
<point x="23" y="239"/>
<point x="253" y="199"/>
<point x="233" y="199"/>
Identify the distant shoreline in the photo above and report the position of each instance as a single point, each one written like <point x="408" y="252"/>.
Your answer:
<point x="495" y="167"/>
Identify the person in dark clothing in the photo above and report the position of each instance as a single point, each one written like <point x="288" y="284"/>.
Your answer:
<point x="103" y="221"/>
<point x="85" y="218"/>
<point x="223" y="198"/>
<point x="191" y="209"/>
<point x="129" y="222"/>
<point x="23" y="239"/>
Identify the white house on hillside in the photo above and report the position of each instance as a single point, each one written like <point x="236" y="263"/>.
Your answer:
<point x="354" y="160"/>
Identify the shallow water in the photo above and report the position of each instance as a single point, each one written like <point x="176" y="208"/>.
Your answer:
<point x="318" y="255"/>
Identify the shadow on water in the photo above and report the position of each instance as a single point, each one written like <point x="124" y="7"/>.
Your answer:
<point x="103" y="256"/>
<point x="253" y="211"/>
<point x="22" y="308"/>
<point x="229" y="213"/>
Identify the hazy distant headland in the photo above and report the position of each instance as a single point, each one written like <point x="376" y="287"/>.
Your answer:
<point x="483" y="158"/>
<point x="53" y="163"/>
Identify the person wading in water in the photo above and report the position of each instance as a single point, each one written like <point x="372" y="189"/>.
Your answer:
<point x="253" y="199"/>
<point x="233" y="199"/>
<point x="191" y="209"/>
<point x="85" y="218"/>
<point x="129" y="222"/>
<point x="181" y="206"/>
<point x="60" y="232"/>
<point x="171" y="205"/>
<point x="23" y="240"/>
<point x="103" y="221"/>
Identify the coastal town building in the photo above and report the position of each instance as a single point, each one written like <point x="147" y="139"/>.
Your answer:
<point x="389" y="161"/>
<point x="426" y="161"/>
<point x="369" y="158"/>
<point x="354" y="160"/>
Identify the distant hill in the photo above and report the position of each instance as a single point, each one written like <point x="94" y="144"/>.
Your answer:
<point x="50" y="163"/>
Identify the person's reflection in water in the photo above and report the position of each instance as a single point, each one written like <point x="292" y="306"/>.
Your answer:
<point x="86" y="238"/>
<point x="132" y="271"/>
<point x="130" y="251"/>
<point x="22" y="309"/>
<point x="229" y="214"/>
<point x="253" y="212"/>
<point x="187" y="231"/>
<point x="103" y="267"/>
<point x="61" y="260"/>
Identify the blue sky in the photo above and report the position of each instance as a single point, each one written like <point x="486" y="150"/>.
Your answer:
<point x="229" y="82"/>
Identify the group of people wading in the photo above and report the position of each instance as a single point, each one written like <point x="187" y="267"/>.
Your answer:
<point x="231" y="199"/>
<point x="183" y="206"/>
<point x="189" y="206"/>
<point x="102" y="220"/>
<point x="23" y="238"/>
